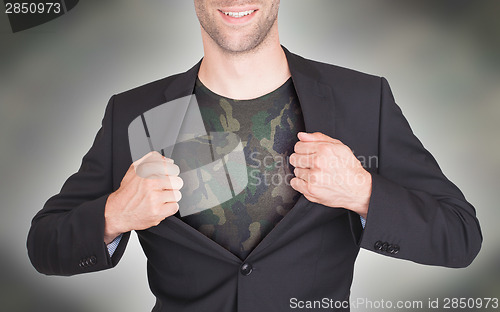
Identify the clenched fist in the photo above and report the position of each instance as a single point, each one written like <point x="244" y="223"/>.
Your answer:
<point x="327" y="172"/>
<point x="148" y="194"/>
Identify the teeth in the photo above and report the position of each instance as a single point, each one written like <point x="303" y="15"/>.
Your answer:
<point x="239" y="14"/>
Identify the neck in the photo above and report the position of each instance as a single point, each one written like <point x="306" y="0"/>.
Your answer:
<point x="244" y="76"/>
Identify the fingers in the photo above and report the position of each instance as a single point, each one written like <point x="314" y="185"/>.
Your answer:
<point x="150" y="155"/>
<point x="311" y="176"/>
<point x="316" y="137"/>
<point x="157" y="169"/>
<point x="303" y="161"/>
<point x="171" y="183"/>
<point x="171" y="196"/>
<point x="303" y="147"/>
<point x="154" y="156"/>
<point x="133" y="167"/>
<point x="301" y="186"/>
<point x="165" y="183"/>
<point x="298" y="185"/>
<point x="303" y="174"/>
<point x="171" y="208"/>
<point x="313" y="147"/>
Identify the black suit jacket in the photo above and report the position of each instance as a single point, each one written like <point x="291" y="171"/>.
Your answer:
<point x="415" y="212"/>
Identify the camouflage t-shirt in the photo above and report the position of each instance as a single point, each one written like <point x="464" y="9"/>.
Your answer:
<point x="267" y="127"/>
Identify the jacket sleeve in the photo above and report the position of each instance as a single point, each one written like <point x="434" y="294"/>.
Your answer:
<point x="67" y="236"/>
<point x="415" y="212"/>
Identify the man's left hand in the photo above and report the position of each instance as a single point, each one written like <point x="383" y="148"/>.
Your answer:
<point x="328" y="173"/>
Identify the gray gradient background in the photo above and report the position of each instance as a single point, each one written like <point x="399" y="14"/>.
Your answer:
<point x="440" y="57"/>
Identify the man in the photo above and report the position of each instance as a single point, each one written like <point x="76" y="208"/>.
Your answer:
<point x="271" y="243"/>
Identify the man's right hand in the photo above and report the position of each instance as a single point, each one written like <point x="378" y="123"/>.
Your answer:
<point x="148" y="194"/>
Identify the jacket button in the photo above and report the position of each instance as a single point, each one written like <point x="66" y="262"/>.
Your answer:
<point x="83" y="264"/>
<point x="390" y="249"/>
<point x="395" y="249"/>
<point x="93" y="260"/>
<point x="384" y="246"/>
<point x="246" y="269"/>
<point x="378" y="245"/>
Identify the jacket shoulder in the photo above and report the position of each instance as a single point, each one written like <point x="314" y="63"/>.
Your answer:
<point x="130" y="104"/>
<point x="153" y="90"/>
<point x="336" y="74"/>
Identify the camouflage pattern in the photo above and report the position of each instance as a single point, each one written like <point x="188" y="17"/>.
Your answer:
<point x="213" y="168"/>
<point x="267" y="130"/>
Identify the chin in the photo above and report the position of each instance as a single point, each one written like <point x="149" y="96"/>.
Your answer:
<point x="239" y="45"/>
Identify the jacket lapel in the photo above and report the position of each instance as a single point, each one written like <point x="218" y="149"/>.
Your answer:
<point x="315" y="97"/>
<point x="318" y="107"/>
<point x="183" y="85"/>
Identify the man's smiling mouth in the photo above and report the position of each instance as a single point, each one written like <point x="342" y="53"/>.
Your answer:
<point x="239" y="14"/>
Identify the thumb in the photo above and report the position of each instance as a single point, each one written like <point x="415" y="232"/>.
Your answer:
<point x="316" y="137"/>
<point x="152" y="156"/>
<point x="146" y="156"/>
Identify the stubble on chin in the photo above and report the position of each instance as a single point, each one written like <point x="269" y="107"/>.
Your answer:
<point x="248" y="43"/>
